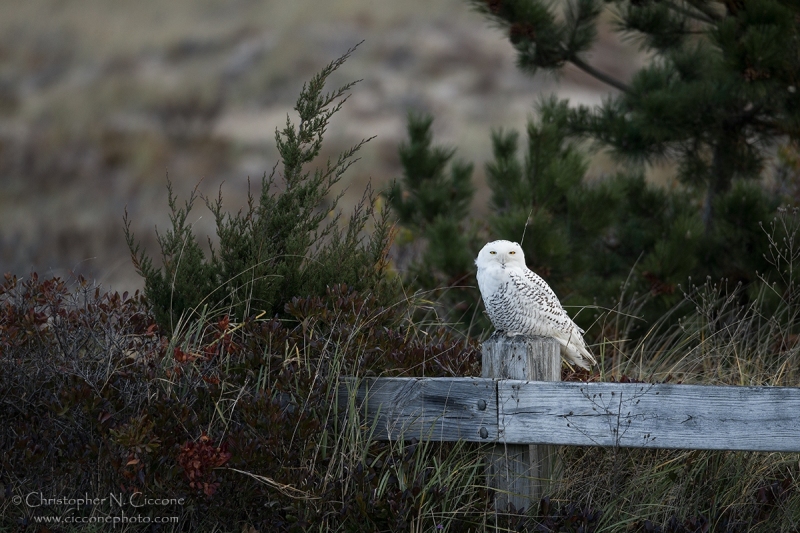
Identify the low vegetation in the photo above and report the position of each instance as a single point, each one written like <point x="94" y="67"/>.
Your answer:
<point x="238" y="420"/>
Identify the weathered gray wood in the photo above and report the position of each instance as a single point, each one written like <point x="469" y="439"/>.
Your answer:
<point x="583" y="414"/>
<point x="520" y="472"/>
<point x="650" y="416"/>
<point x="444" y="409"/>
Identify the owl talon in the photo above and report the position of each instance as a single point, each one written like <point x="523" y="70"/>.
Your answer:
<point x="497" y="334"/>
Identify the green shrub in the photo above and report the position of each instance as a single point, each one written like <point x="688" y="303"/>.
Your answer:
<point x="286" y="243"/>
<point x="432" y="204"/>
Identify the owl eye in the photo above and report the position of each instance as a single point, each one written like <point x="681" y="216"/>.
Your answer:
<point x="512" y="252"/>
<point x="492" y="252"/>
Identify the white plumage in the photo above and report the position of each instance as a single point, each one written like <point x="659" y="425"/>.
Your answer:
<point x="520" y="302"/>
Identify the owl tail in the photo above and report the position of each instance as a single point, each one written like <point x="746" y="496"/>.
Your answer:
<point x="575" y="352"/>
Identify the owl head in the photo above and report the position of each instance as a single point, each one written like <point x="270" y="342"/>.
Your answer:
<point x="503" y="253"/>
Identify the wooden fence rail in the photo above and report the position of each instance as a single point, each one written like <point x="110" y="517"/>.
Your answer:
<point x="634" y="415"/>
<point x="521" y="416"/>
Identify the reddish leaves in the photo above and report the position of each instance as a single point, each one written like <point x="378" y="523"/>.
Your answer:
<point x="198" y="459"/>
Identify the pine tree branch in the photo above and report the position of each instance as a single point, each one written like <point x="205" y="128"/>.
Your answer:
<point x="701" y="16"/>
<point x="602" y="76"/>
<point x="706" y="10"/>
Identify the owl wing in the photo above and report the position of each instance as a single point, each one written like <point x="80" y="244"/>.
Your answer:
<point x="538" y="301"/>
<point x="547" y="317"/>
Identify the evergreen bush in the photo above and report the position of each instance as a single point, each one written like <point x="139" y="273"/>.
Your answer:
<point x="432" y="203"/>
<point x="287" y="242"/>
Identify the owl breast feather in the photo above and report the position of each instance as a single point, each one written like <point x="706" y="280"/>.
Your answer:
<point x="520" y="302"/>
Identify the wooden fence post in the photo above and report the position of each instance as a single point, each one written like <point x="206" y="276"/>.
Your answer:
<point x="520" y="472"/>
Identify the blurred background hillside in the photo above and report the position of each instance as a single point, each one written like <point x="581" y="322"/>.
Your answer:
<point x="100" y="100"/>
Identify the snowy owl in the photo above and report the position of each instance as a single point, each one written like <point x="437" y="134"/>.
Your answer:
<point x="520" y="302"/>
